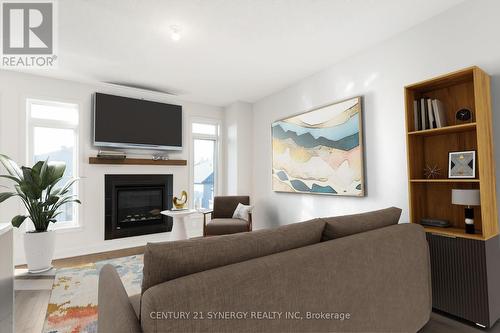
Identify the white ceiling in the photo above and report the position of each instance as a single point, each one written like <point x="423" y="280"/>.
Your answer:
<point x="230" y="49"/>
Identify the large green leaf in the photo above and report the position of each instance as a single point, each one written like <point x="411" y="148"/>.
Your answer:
<point x="12" y="168"/>
<point x="38" y="166"/>
<point x="17" y="180"/>
<point x="67" y="186"/>
<point x="18" y="220"/>
<point x="5" y="195"/>
<point x="54" y="192"/>
<point x="54" y="173"/>
<point x="44" y="167"/>
<point x="53" y="199"/>
<point x="18" y="190"/>
<point x="36" y="173"/>
<point x="27" y="174"/>
<point x="64" y="201"/>
<point x="32" y="179"/>
<point x="29" y="186"/>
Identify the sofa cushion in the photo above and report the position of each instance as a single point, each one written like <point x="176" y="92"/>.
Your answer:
<point x="341" y="226"/>
<point x="170" y="260"/>
<point x="225" y="226"/>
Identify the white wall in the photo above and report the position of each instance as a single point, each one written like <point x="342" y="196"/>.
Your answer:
<point x="239" y="136"/>
<point x="15" y="88"/>
<point x="464" y="36"/>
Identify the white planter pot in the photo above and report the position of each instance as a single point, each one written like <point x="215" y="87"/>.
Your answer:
<point x="39" y="250"/>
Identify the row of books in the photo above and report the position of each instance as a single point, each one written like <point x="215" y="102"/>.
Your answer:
<point x="429" y="113"/>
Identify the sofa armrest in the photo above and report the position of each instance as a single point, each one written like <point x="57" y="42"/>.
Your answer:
<point x="115" y="312"/>
<point x="381" y="278"/>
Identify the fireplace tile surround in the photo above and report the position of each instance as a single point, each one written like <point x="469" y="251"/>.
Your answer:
<point x="133" y="203"/>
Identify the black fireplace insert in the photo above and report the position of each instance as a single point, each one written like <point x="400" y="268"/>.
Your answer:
<point x="133" y="205"/>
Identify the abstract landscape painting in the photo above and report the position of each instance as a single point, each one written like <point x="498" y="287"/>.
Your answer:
<point x="320" y="151"/>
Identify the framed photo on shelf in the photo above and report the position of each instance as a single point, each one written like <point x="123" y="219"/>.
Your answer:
<point x="462" y="164"/>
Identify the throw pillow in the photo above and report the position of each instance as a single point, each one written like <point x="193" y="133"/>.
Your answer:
<point x="242" y="211"/>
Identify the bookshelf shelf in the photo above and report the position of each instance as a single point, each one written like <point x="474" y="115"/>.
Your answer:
<point x="445" y="130"/>
<point x="444" y="180"/>
<point x="453" y="232"/>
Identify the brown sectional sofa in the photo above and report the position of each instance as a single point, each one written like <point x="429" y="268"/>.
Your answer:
<point x="357" y="273"/>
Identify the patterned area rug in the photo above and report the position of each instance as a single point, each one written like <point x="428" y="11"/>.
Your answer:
<point x="73" y="302"/>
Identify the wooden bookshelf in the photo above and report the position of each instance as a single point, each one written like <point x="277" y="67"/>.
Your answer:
<point x="431" y="198"/>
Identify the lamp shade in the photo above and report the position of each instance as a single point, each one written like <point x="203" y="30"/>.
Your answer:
<point x="465" y="197"/>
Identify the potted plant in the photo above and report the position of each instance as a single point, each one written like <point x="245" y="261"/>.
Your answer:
<point x="36" y="186"/>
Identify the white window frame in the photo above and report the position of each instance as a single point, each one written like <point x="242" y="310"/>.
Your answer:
<point x="58" y="124"/>
<point x="217" y="165"/>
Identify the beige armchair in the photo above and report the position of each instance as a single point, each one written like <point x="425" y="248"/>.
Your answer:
<point x="222" y="222"/>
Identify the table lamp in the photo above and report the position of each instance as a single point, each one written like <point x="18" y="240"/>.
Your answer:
<point x="467" y="198"/>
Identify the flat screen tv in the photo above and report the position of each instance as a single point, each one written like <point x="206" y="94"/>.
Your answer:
<point x="122" y="122"/>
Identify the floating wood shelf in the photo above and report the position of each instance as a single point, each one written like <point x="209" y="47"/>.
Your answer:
<point x="446" y="129"/>
<point x="444" y="180"/>
<point x="135" y="161"/>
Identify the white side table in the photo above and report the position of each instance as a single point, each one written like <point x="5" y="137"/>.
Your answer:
<point x="179" y="227"/>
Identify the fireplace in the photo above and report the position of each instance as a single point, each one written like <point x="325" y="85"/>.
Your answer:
<point x="133" y="204"/>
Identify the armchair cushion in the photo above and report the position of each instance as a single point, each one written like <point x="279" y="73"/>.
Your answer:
<point x="226" y="226"/>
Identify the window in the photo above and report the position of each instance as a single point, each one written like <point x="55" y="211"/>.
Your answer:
<point x="53" y="134"/>
<point x="205" y="153"/>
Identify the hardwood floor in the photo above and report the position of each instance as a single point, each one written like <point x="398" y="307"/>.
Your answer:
<point x="85" y="259"/>
<point x="440" y="323"/>
<point x="31" y="305"/>
<point x="29" y="310"/>
<point x="80" y="260"/>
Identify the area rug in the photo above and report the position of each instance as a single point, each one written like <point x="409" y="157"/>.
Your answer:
<point x="73" y="302"/>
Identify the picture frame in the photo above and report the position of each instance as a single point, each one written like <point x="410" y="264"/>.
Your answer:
<point x="320" y="151"/>
<point x="462" y="164"/>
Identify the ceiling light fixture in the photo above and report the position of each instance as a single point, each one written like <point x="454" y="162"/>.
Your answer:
<point x="175" y="33"/>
